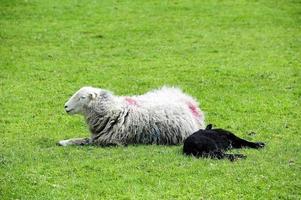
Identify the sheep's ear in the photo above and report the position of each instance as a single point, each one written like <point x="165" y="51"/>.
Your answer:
<point x="92" y="95"/>
<point x="104" y="94"/>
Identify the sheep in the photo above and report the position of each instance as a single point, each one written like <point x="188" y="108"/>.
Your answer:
<point x="165" y="116"/>
<point x="212" y="143"/>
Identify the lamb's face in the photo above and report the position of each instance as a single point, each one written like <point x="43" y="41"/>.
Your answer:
<point x="82" y="98"/>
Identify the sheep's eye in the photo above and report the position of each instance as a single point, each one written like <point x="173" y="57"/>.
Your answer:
<point x="82" y="97"/>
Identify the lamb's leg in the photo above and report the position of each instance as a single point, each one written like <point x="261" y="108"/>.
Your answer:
<point x="75" y="141"/>
<point x="233" y="157"/>
<point x="237" y="142"/>
<point x="222" y="155"/>
<point x="241" y="143"/>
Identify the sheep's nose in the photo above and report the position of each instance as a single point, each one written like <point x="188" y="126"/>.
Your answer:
<point x="66" y="106"/>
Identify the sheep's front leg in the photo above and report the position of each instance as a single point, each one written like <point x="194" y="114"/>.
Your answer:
<point x="75" y="141"/>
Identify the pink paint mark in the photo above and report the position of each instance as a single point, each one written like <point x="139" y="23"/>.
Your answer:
<point x="194" y="109"/>
<point x="131" y="101"/>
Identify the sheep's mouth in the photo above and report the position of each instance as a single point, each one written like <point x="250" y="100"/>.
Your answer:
<point x="68" y="111"/>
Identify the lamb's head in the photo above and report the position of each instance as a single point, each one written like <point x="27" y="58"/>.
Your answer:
<point x="81" y="100"/>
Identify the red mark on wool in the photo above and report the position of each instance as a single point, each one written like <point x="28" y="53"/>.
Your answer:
<point x="131" y="101"/>
<point x="194" y="109"/>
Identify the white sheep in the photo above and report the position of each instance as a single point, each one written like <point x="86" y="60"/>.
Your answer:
<point x="163" y="116"/>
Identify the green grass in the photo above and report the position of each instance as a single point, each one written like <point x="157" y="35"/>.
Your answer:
<point x="240" y="59"/>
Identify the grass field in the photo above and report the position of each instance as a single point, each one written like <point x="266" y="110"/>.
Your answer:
<point x="240" y="59"/>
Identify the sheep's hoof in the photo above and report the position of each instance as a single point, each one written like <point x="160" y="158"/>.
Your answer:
<point x="63" y="143"/>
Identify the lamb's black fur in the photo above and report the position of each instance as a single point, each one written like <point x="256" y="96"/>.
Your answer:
<point x="213" y="143"/>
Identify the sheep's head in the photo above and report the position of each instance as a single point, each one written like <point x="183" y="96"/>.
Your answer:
<point x="81" y="99"/>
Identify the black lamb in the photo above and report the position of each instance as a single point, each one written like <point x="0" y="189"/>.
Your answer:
<point x="212" y="143"/>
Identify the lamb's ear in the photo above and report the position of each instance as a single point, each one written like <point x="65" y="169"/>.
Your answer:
<point x="92" y="95"/>
<point x="209" y="126"/>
